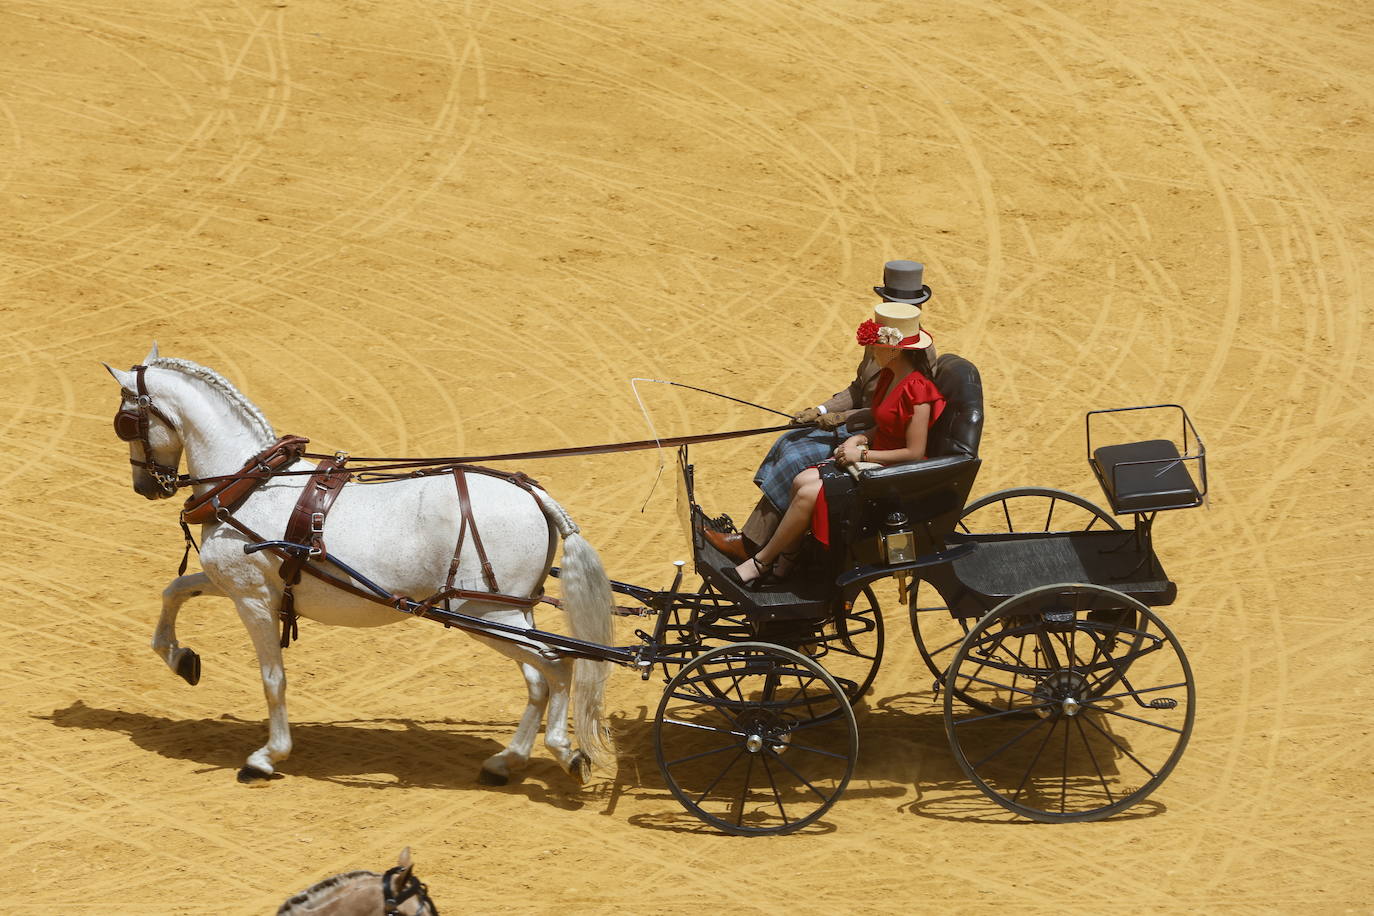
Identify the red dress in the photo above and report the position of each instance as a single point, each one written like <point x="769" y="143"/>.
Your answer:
<point x="892" y="412"/>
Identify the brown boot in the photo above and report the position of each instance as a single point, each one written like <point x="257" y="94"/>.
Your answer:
<point x="732" y="545"/>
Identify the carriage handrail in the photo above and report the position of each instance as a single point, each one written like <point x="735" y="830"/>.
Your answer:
<point x="420" y="467"/>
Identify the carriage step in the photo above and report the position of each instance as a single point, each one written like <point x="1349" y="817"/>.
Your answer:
<point x="1164" y="703"/>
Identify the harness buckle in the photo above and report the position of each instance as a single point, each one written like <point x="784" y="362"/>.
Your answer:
<point x="317" y="523"/>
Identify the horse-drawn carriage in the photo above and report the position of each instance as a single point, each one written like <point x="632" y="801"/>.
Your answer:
<point x="1065" y="697"/>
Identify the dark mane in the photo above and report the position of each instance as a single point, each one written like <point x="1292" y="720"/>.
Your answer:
<point x="305" y="895"/>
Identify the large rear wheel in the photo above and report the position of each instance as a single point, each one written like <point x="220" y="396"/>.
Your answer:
<point x="1083" y="703"/>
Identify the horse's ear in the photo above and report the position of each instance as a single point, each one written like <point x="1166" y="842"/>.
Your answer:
<point x="152" y="355"/>
<point x="403" y="863"/>
<point x="125" y="379"/>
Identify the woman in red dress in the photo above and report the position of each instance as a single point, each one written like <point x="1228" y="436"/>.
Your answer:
<point x="905" y="404"/>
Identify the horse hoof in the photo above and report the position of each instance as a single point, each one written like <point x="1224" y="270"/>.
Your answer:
<point x="488" y="778"/>
<point x="252" y="776"/>
<point x="188" y="666"/>
<point x="581" y="768"/>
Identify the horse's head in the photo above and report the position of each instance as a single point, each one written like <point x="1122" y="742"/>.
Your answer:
<point x="150" y="428"/>
<point x="403" y="893"/>
<point x="360" y="893"/>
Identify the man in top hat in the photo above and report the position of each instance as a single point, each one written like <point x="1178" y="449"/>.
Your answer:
<point x="822" y="427"/>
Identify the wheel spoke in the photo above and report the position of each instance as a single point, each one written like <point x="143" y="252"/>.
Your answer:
<point x="1121" y="747"/>
<point x="983" y="680"/>
<point x="1093" y="757"/>
<point x="719" y="776"/>
<point x="1008" y="744"/>
<point x="792" y="746"/>
<point x="787" y="766"/>
<point x="1064" y="772"/>
<point x="1015" y="711"/>
<point x="1114" y="712"/>
<point x="1133" y="691"/>
<point x="1021" y="787"/>
<point x="719" y="750"/>
<point x="744" y="792"/>
<point x="705" y="728"/>
<point x="772" y="784"/>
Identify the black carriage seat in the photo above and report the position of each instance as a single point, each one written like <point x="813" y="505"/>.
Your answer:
<point x="932" y="493"/>
<point x="1147" y="476"/>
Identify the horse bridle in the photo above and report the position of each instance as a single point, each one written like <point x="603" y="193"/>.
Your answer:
<point x="131" y="425"/>
<point x="413" y="887"/>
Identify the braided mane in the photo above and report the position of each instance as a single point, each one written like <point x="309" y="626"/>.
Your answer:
<point x="328" y="884"/>
<point x="223" y="386"/>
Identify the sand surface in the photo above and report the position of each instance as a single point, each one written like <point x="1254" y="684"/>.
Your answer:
<point x="426" y="228"/>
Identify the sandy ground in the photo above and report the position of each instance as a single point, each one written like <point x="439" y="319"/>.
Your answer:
<point x="438" y="228"/>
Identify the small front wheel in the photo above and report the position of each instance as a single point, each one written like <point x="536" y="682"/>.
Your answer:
<point x="754" y="738"/>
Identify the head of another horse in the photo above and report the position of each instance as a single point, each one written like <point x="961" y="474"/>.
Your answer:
<point x="365" y="893"/>
<point x="147" y="424"/>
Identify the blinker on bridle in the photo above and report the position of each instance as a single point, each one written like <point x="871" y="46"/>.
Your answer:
<point x="131" y="425"/>
<point x="413" y="887"/>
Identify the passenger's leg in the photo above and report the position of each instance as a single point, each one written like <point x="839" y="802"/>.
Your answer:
<point x="762" y="522"/>
<point x="791" y="529"/>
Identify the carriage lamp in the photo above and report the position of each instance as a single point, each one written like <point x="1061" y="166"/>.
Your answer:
<point x="899" y="545"/>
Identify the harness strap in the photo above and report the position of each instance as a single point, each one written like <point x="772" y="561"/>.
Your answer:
<point x="468" y="524"/>
<point x="306" y="526"/>
<point x="234" y="488"/>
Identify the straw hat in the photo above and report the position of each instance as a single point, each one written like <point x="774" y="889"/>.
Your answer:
<point x="902" y="283"/>
<point x="895" y="324"/>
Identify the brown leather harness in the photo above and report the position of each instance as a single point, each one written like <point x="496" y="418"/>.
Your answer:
<point x="305" y="527"/>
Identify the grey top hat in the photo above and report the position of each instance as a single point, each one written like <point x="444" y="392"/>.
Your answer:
<point x="902" y="283"/>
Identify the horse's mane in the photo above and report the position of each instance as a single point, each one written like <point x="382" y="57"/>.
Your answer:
<point x="326" y="885"/>
<point x="220" y="384"/>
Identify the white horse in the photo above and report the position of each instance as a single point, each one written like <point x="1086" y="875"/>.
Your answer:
<point x="400" y="534"/>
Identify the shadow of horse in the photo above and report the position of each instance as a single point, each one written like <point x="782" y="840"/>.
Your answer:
<point x="384" y="753"/>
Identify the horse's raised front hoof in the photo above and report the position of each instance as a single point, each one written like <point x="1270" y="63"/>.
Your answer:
<point x="188" y="666"/>
<point x="581" y="768"/>
<point x="488" y="778"/>
<point x="252" y="776"/>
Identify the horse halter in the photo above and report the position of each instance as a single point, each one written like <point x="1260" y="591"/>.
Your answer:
<point x="413" y="887"/>
<point x="131" y="425"/>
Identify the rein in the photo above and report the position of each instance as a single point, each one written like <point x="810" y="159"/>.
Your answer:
<point x="421" y="467"/>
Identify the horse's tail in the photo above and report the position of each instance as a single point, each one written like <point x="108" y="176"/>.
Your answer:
<point x="587" y="602"/>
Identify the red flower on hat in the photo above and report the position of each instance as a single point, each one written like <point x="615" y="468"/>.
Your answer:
<point x="867" y="335"/>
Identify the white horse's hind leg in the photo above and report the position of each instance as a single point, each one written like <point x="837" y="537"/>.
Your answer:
<point x="550" y="683"/>
<point x="496" y="769"/>
<point x="261" y="622"/>
<point x="180" y="659"/>
<point x="556" y="735"/>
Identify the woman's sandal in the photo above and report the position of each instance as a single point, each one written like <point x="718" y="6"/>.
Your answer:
<point x="767" y="575"/>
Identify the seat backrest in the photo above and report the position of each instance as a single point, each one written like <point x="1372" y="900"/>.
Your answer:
<point x="960" y="427"/>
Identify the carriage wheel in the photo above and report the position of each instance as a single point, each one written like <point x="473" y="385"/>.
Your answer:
<point x="850" y="644"/>
<point x="1084" y="703"/>
<point x="755" y="738"/>
<point x="1020" y="510"/>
